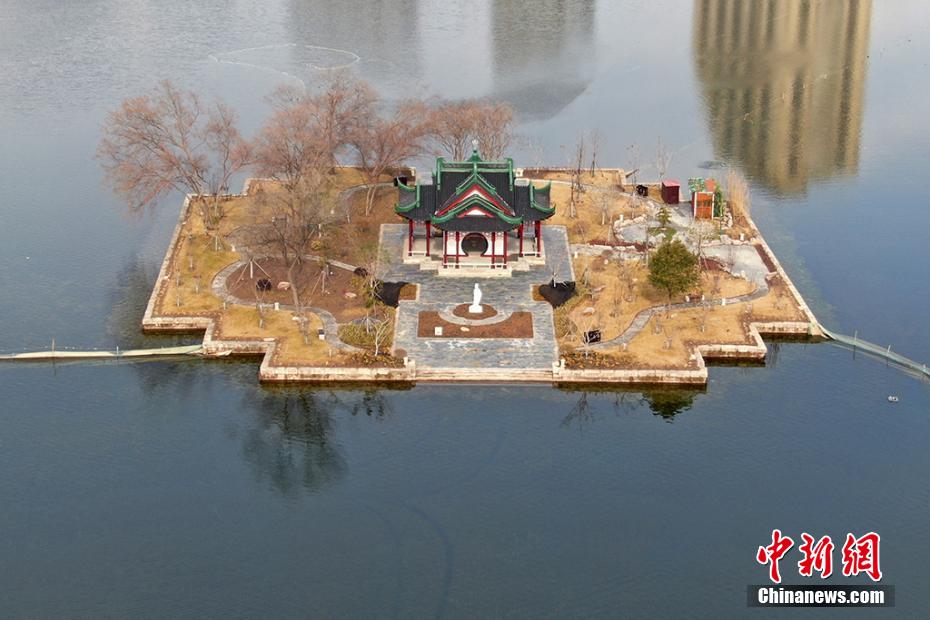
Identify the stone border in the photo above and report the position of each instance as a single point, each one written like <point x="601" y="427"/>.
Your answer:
<point x="447" y="315"/>
<point x="755" y="351"/>
<point x="735" y="352"/>
<point x="214" y="346"/>
<point x="815" y="330"/>
<point x="268" y="372"/>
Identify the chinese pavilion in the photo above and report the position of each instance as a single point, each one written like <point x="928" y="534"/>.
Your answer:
<point x="474" y="212"/>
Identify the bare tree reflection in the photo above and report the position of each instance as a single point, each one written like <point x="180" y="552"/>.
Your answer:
<point x="580" y="414"/>
<point x="665" y="403"/>
<point x="290" y="444"/>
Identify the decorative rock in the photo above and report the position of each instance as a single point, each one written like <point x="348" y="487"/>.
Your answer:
<point x="588" y="310"/>
<point x="349" y="295"/>
<point x="284" y="286"/>
<point x="464" y="329"/>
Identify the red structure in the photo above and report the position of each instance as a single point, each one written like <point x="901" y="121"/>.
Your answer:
<point x="479" y="206"/>
<point x="670" y="192"/>
<point x="702" y="205"/>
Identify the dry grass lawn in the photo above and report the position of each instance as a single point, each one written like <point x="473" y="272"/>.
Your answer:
<point x="201" y="254"/>
<point x="608" y="292"/>
<point x="668" y="340"/>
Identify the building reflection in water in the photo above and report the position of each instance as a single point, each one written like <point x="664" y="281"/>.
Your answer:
<point x="383" y="34"/>
<point x="543" y="54"/>
<point x="783" y="84"/>
<point x="537" y="56"/>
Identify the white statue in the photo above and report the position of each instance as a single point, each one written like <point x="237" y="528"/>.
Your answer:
<point x="475" y="307"/>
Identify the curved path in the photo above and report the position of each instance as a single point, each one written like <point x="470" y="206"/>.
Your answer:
<point x="642" y="318"/>
<point x="330" y="326"/>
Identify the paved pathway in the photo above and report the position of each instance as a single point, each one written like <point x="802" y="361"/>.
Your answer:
<point x="507" y="295"/>
<point x="641" y="319"/>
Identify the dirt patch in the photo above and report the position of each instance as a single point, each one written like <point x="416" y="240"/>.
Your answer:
<point x="712" y="264"/>
<point x="342" y="296"/>
<point x="408" y="292"/>
<point x="517" y="325"/>
<point x="462" y="311"/>
<point x="769" y="263"/>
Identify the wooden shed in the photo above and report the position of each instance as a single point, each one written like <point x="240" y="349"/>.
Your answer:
<point x="670" y="192"/>
<point x="702" y="205"/>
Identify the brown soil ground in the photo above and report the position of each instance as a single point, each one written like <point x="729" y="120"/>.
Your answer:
<point x="339" y="284"/>
<point x="462" y="311"/>
<point x="408" y="292"/>
<point x="517" y="325"/>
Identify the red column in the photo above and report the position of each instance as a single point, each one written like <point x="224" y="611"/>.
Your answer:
<point x="410" y="238"/>
<point x="538" y="238"/>
<point x="505" y="249"/>
<point x="445" y="243"/>
<point x="458" y="246"/>
<point x="493" y="247"/>
<point x="520" y="233"/>
<point x="428" y="226"/>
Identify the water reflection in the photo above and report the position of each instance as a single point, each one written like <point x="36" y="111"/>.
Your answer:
<point x="665" y="403"/>
<point x="127" y="296"/>
<point x="783" y="85"/>
<point x="669" y="403"/>
<point x="538" y="56"/>
<point x="291" y="444"/>
<point x="382" y="34"/>
<point x="543" y="54"/>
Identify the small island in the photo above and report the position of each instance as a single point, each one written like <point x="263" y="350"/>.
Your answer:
<point x="569" y="298"/>
<point x="477" y="270"/>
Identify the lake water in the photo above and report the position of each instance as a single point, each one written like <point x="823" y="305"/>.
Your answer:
<point x="186" y="489"/>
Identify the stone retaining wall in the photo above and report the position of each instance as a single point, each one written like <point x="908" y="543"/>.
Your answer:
<point x="214" y="347"/>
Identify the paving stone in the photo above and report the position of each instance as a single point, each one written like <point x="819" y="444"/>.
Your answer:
<point x="507" y="295"/>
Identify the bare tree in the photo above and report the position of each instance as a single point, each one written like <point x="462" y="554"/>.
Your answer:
<point x="634" y="160"/>
<point x="595" y="141"/>
<point x="699" y="234"/>
<point x="341" y="110"/>
<point x="291" y="144"/>
<point x="452" y="127"/>
<point x="381" y="329"/>
<point x="605" y="206"/>
<point x="663" y="159"/>
<point x="384" y="142"/>
<point x="576" y="166"/>
<point x="169" y="140"/>
<point x="286" y="222"/>
<point x="494" y="129"/>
